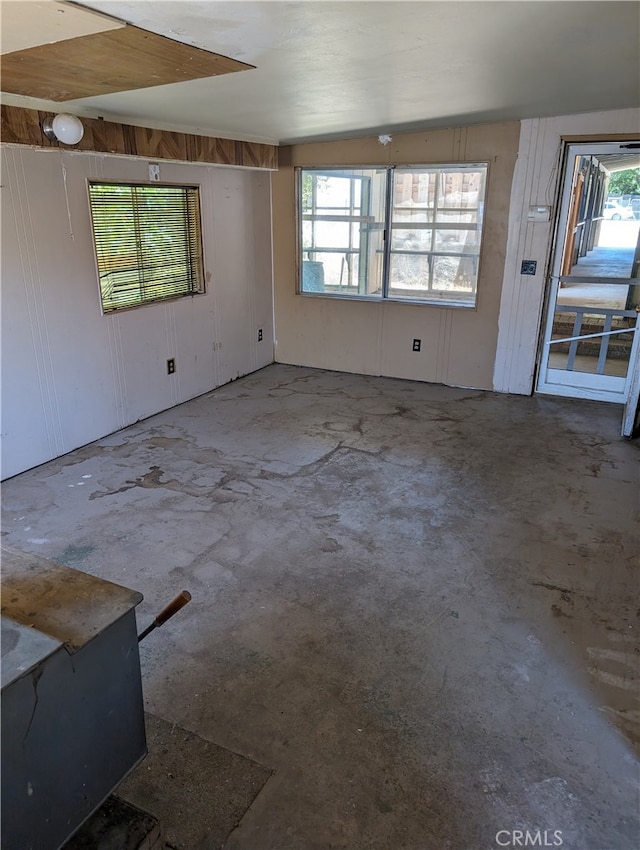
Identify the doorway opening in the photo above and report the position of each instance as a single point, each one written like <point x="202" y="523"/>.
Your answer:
<point x="590" y="341"/>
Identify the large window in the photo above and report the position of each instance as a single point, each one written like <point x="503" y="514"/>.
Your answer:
<point x="411" y="234"/>
<point x="148" y="243"/>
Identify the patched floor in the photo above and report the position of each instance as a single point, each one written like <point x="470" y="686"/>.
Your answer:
<point x="416" y="606"/>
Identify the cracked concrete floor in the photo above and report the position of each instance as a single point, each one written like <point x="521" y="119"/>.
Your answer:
<point x="417" y="605"/>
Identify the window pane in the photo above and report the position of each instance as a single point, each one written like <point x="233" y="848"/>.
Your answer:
<point x="413" y="214"/>
<point x="413" y="188"/>
<point x="334" y="193"/>
<point x="330" y="234"/>
<point x="411" y="240"/>
<point x="455" y="275"/>
<point x="460" y="189"/>
<point x="409" y="275"/>
<point x="457" y="241"/>
<point x="436" y="233"/>
<point x="342" y="231"/>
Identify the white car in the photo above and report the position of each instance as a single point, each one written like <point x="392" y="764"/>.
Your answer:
<point x="615" y="211"/>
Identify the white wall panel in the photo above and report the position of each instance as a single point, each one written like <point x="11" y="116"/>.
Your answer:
<point x="71" y="375"/>
<point x="535" y="182"/>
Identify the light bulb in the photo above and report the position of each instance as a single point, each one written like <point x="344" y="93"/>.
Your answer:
<point x="68" y="128"/>
<point x="63" y="128"/>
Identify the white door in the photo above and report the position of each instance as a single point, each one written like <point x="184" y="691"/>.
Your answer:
<point x="631" y="415"/>
<point x="591" y="338"/>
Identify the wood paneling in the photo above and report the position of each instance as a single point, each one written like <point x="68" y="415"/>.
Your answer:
<point x="251" y="154"/>
<point x="124" y="59"/>
<point x="160" y="144"/>
<point x="22" y="127"/>
<point x="206" y="149"/>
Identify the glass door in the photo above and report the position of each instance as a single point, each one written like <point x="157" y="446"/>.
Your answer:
<point x="591" y="336"/>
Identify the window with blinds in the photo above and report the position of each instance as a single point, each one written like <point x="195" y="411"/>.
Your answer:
<point x="148" y="243"/>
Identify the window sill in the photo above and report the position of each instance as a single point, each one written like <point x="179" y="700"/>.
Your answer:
<point x="373" y="299"/>
<point x="114" y="311"/>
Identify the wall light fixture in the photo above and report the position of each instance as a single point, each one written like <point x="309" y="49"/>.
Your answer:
<point x="63" y="128"/>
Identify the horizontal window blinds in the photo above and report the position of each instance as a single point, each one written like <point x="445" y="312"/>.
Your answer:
<point x="148" y="242"/>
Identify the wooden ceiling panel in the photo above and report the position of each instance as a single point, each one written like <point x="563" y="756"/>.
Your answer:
<point x="124" y="59"/>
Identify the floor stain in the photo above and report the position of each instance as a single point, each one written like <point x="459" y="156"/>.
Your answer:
<point x="167" y="442"/>
<point x="73" y="556"/>
<point x="557" y="611"/>
<point x="547" y="586"/>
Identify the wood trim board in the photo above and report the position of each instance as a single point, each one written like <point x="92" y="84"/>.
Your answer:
<point x="23" y="127"/>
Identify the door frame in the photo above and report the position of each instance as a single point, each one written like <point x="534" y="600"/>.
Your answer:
<point x="583" y="385"/>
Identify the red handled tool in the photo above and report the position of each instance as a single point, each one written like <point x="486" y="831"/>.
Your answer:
<point x="172" y="608"/>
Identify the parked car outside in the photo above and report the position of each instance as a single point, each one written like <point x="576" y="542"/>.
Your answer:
<point x="617" y="212"/>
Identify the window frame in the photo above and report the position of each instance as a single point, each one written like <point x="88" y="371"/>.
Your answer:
<point x="389" y="224"/>
<point x="193" y="241"/>
<point x="350" y="218"/>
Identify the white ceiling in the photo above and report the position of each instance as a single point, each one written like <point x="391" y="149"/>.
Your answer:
<point x="26" y="25"/>
<point x="343" y="69"/>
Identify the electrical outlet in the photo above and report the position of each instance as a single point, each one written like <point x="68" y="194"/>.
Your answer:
<point x="416" y="344"/>
<point x="171" y="365"/>
<point x="528" y="267"/>
<point x="259" y="334"/>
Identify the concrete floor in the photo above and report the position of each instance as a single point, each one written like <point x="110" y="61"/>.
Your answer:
<point x="417" y="605"/>
<point x="608" y="260"/>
